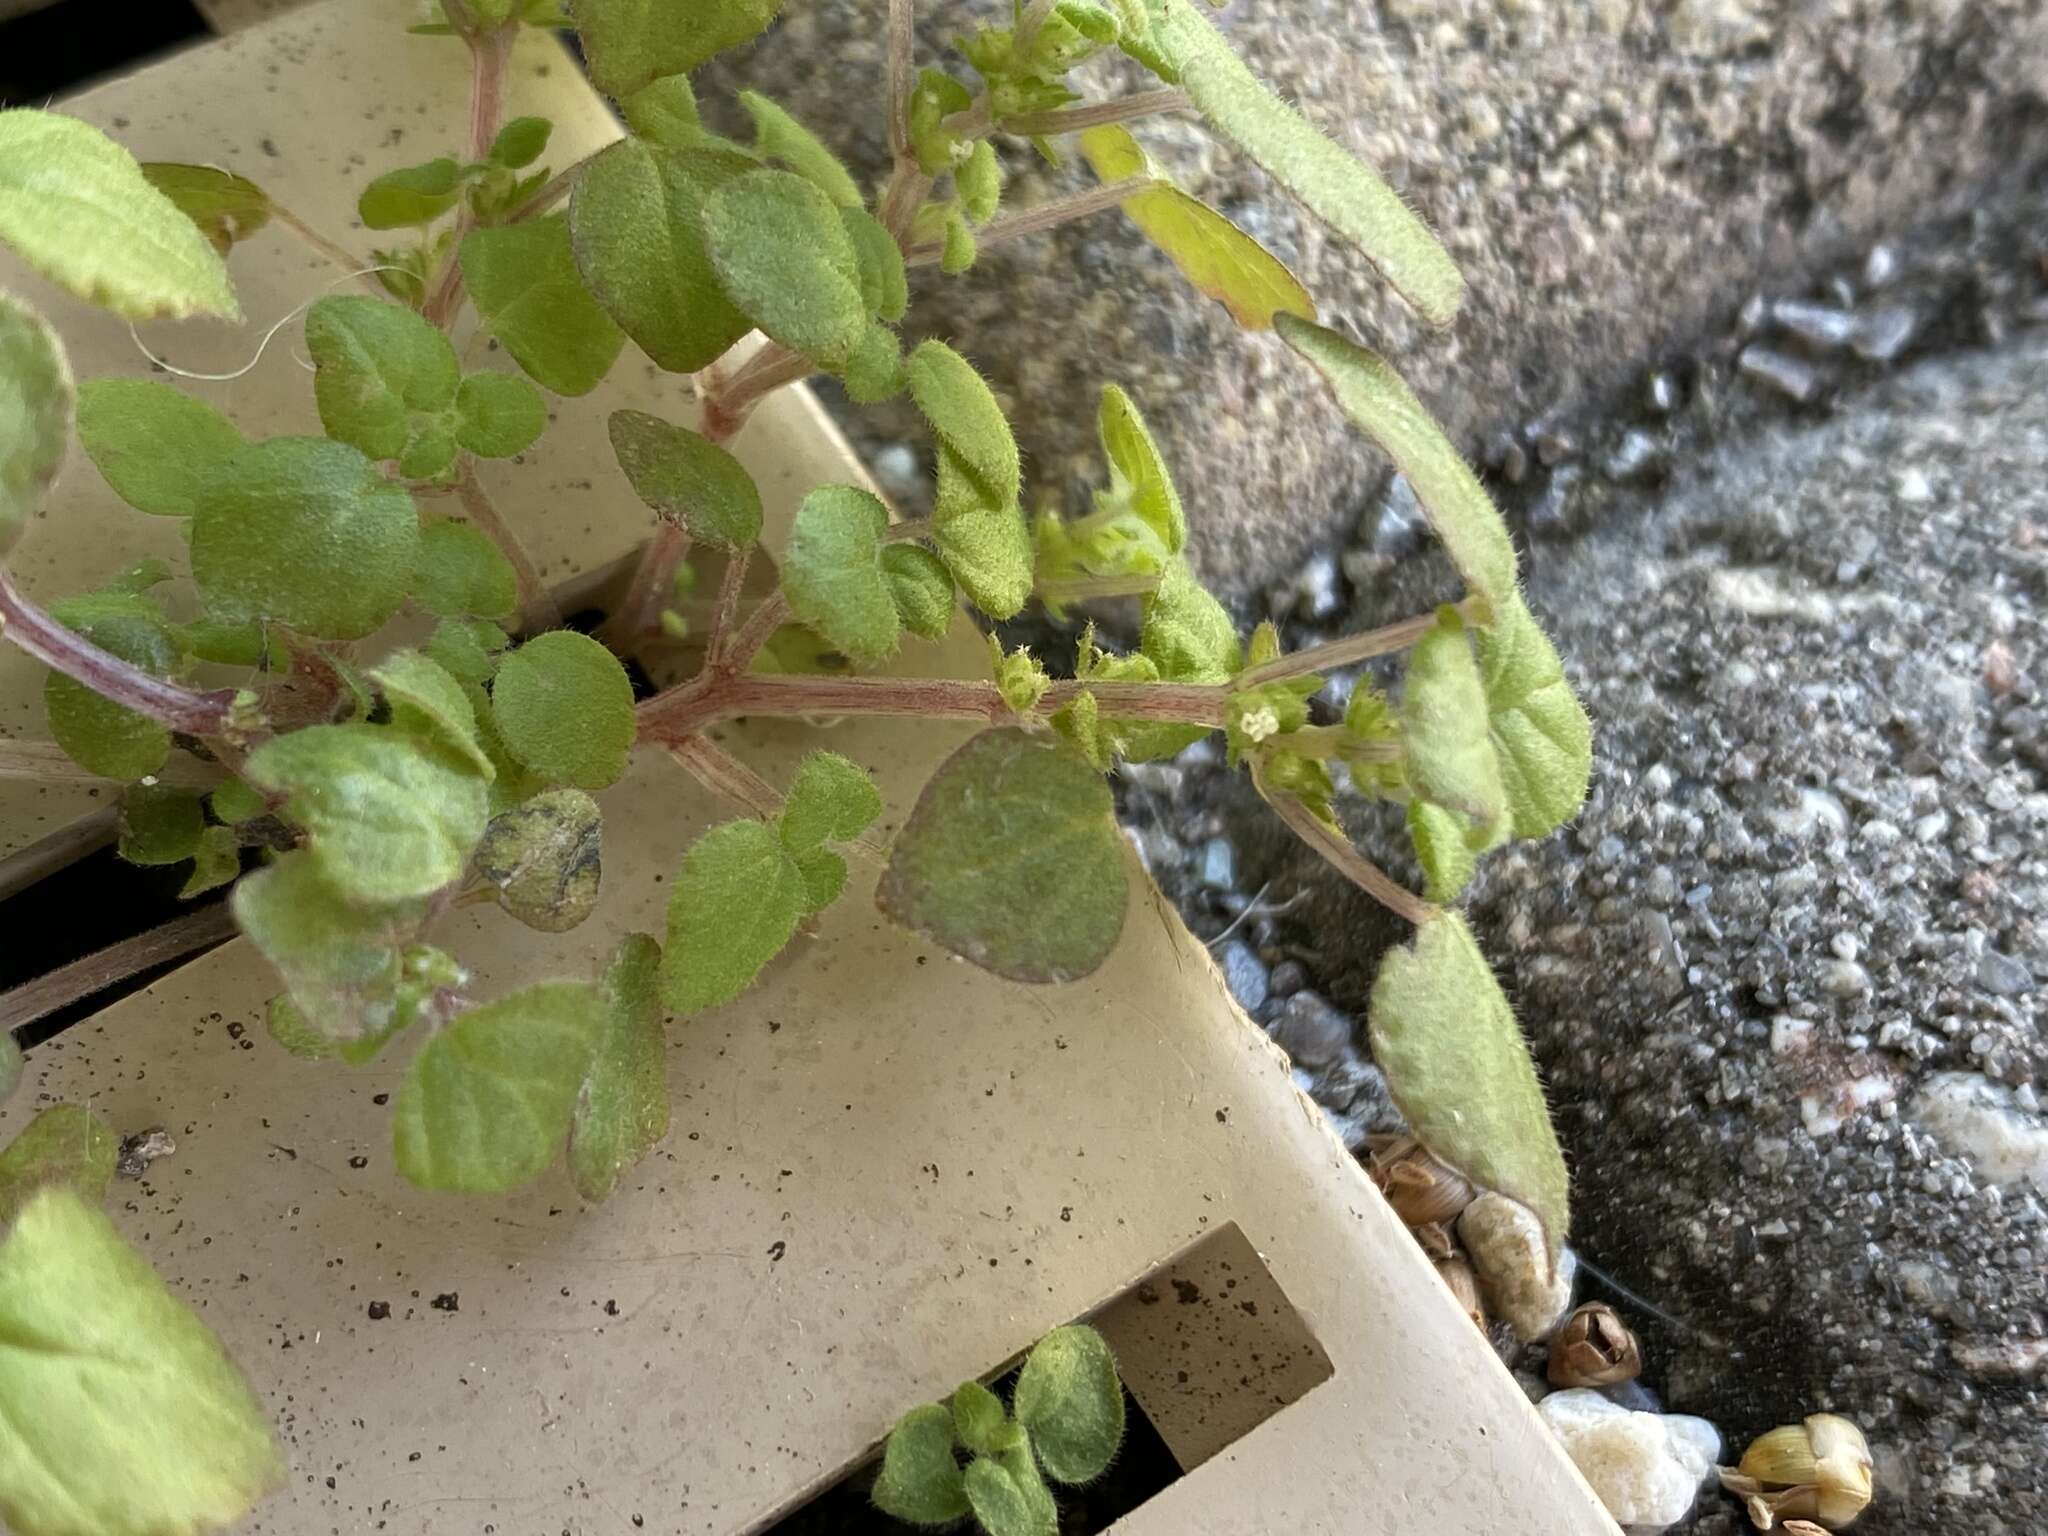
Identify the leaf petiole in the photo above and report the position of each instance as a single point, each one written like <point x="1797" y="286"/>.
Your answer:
<point x="1047" y="215"/>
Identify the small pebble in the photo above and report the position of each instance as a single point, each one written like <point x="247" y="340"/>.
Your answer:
<point x="1245" y="974"/>
<point x="1880" y="266"/>
<point x="1883" y="334"/>
<point x="1311" y="1032"/>
<point x="1661" y="393"/>
<point x="1787" y="375"/>
<point x="1818" y="325"/>
<point x="1646" y="1468"/>
<point x="1552" y="443"/>
<point x="1219" y="864"/>
<point x="1638" y="456"/>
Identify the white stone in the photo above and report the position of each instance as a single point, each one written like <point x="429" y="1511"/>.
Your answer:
<point x="1973" y="1117"/>
<point x="1825" y="1110"/>
<point x="1504" y="1241"/>
<point x="1645" y="1467"/>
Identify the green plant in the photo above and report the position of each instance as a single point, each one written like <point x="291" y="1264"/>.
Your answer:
<point x="1064" y="1424"/>
<point x="374" y="791"/>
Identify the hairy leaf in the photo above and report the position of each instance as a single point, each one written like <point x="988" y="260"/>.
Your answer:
<point x="428" y="701"/>
<point x="498" y="415"/>
<point x="1386" y="410"/>
<point x="884" y="285"/>
<point x="637" y="222"/>
<point x="96" y="733"/>
<point x="734" y="905"/>
<point x="1341" y="190"/>
<point x="623" y="1109"/>
<point x="664" y="111"/>
<point x="487" y="1101"/>
<point x="1447" y="846"/>
<point x="630" y="42"/>
<point x="874" y="371"/>
<point x="921" y="588"/>
<point x="920" y="1482"/>
<point x="832" y="571"/>
<point x="1069" y="1397"/>
<point x="830" y="797"/>
<point x="963" y="412"/>
<point x="411" y="195"/>
<point x="688" y="479"/>
<point x="1139" y="482"/>
<point x="1450" y="759"/>
<point x="159" y="824"/>
<point x="78" y="209"/>
<point x="340" y="961"/>
<point x="979" y="181"/>
<point x="1540" y="731"/>
<point x="215" y="862"/>
<point x="523" y="280"/>
<point x="1461" y="1073"/>
<point x="65" y="1144"/>
<point x="783" y="256"/>
<point x="462" y="571"/>
<point x="284" y="518"/>
<point x="979" y="1418"/>
<point x="35" y="415"/>
<point x="225" y="207"/>
<point x="1188" y="634"/>
<point x="375" y="365"/>
<point x="1220" y="259"/>
<point x="565" y="708"/>
<point x="124" y="1415"/>
<point x="983" y="541"/>
<point x="1012" y="859"/>
<point x="521" y="142"/>
<point x="1004" y="1501"/>
<point x="545" y="859"/>
<point x="160" y="449"/>
<point x="824" y="876"/>
<point x="779" y="136"/>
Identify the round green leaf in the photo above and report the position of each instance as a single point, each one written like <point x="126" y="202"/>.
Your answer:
<point x="340" y="960"/>
<point x="99" y="735"/>
<point x="920" y="1481"/>
<point x="66" y="1144"/>
<point x="78" y="209"/>
<point x="304" y="532"/>
<point x="545" y="858"/>
<point x="783" y="256"/>
<point x="830" y="797"/>
<point x="564" y="707"/>
<point x="522" y="278"/>
<point x="521" y="142"/>
<point x="733" y="906"/>
<point x="215" y="862"/>
<point x="412" y="195"/>
<point x="35" y="415"/>
<point x="1450" y="758"/>
<point x="979" y="1418"/>
<point x="498" y="415"/>
<point x="462" y="571"/>
<point x="375" y="365"/>
<point x="962" y="410"/>
<point x="1069" y="1398"/>
<point x="160" y="449"/>
<point x="487" y="1101"/>
<point x="664" y="111"/>
<point x="630" y="42"/>
<point x="921" y="588"/>
<point x="125" y="1416"/>
<point x="623" y="1110"/>
<point x="1461" y="1073"/>
<point x="688" y="479"/>
<point x="160" y="825"/>
<point x="428" y="701"/>
<point x="832" y="571"/>
<point x="224" y="206"/>
<point x="1012" y="859"/>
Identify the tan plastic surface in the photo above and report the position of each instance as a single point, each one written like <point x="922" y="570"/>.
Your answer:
<point x="888" y="1171"/>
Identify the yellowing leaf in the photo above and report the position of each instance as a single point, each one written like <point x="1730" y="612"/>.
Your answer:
<point x="35" y="415"/>
<point x="226" y="207"/>
<point x="623" y="1108"/>
<point x="78" y="209"/>
<point x="1220" y="259"/>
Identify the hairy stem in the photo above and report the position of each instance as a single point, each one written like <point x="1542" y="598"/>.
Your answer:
<point x="489" y="53"/>
<point x="338" y="256"/>
<point x="731" y="582"/>
<point x="1047" y="215"/>
<point x="730" y="399"/>
<point x="902" y="40"/>
<point x="1384" y="641"/>
<point x="1082" y="589"/>
<point x="761" y="625"/>
<point x="537" y="609"/>
<point x="637" y="612"/>
<point x="171" y="705"/>
<point x="1123" y="109"/>
<point x="1334" y="846"/>
<point x="898" y="205"/>
<point x="182" y="936"/>
<point x="727" y="777"/>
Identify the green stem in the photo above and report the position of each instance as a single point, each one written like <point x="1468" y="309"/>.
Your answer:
<point x="1384" y="641"/>
<point x="1123" y="109"/>
<point x="1048" y="215"/>
<point x="1334" y="846"/>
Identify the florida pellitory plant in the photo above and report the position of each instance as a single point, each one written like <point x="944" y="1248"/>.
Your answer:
<point x="383" y="787"/>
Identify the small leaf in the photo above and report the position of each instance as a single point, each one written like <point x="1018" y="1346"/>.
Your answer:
<point x="521" y="142"/>
<point x="734" y="905"/>
<point x="234" y="802"/>
<point x="824" y="876"/>
<point x="1373" y="395"/>
<point x="630" y="42"/>
<point x="285" y="518"/>
<point x="1002" y="1502"/>
<point x="622" y="1111"/>
<point x="832" y="571"/>
<point x="35" y="415"/>
<point x="979" y="181"/>
<point x="979" y="1418"/>
<point x="96" y="733"/>
<point x="884" y="285"/>
<point x="921" y="588"/>
<point x="1138" y="477"/>
<point x="462" y="571"/>
<point x="1212" y="253"/>
<point x="1020" y="678"/>
<point x="637" y="222"/>
<point x="78" y="209"/>
<point x="522" y="278"/>
<point x="375" y="365"/>
<point x="688" y="479"/>
<point x="469" y="649"/>
<point x="340" y="961"/>
<point x="963" y="412"/>
<point x="1188" y="634"/>
<point x="785" y="259"/>
<point x="1540" y="731"/>
<point x="161" y="450"/>
<point x="664" y="111"/>
<point x="1341" y="190"/>
<point x="387" y="818"/>
<point x="487" y="1101"/>
<point x="779" y="136"/>
<point x="224" y="206"/>
<point x="126" y="1417"/>
<point x="1069" y="1398"/>
<point x="160" y="825"/>
<point x="545" y="859"/>
<point x="959" y="249"/>
<point x="1461" y="1073"/>
<point x="413" y="195"/>
<point x="65" y="1144"/>
<point x="428" y="701"/>
<point x="920" y="1481"/>
<point x="215" y="862"/>
<point x="1012" y="859"/>
<point x="564" y="706"/>
<point x="1444" y="725"/>
<point x="1444" y="847"/>
<point x="874" y="371"/>
<point x="936" y="97"/>
<point x="983" y="542"/>
<point x="830" y="797"/>
<point x="423" y="971"/>
<point x="498" y="415"/>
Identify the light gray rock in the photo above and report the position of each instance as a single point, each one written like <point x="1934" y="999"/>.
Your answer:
<point x="1973" y="1117"/>
<point x="1647" y="1468"/>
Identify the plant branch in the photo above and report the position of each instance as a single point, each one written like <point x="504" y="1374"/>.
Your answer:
<point x="337" y="255"/>
<point x="1083" y="589"/>
<point x="727" y="777"/>
<point x="182" y="936"/>
<point x="760" y="627"/>
<point x="902" y="40"/>
<point x="1122" y="109"/>
<point x="1334" y="846"/>
<point x="1047" y="215"/>
<point x="488" y="54"/>
<point x="636" y="612"/>
<point x="731" y="582"/>
<point x="730" y="400"/>
<point x="537" y="610"/>
<point x="907" y="532"/>
<point x="1340" y="653"/>
<point x="898" y="205"/>
<point x="171" y="705"/>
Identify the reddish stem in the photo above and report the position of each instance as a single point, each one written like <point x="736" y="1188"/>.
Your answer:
<point x="537" y="608"/>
